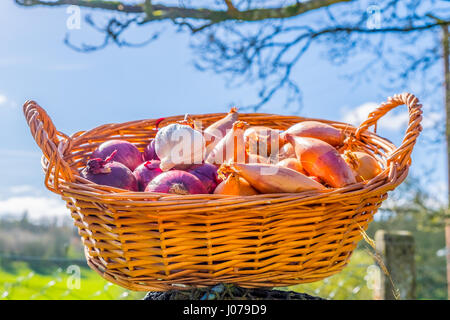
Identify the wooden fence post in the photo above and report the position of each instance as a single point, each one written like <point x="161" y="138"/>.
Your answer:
<point x="397" y="252"/>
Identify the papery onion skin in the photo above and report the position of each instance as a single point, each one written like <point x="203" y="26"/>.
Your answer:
<point x="320" y="159"/>
<point x="150" y="152"/>
<point x="363" y="164"/>
<point x="127" y="153"/>
<point x="267" y="178"/>
<point x="110" y="173"/>
<point x="317" y="130"/>
<point x="176" y="182"/>
<point x="207" y="174"/>
<point x="235" y="185"/>
<point x="146" y="172"/>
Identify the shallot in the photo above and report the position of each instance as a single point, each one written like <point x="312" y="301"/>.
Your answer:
<point x="267" y="178"/>
<point x="320" y="159"/>
<point x="316" y="129"/>
<point x="363" y="164"/>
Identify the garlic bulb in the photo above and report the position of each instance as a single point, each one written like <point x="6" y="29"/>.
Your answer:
<point x="178" y="144"/>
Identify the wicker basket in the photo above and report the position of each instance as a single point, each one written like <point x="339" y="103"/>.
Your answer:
<point x="156" y="242"/>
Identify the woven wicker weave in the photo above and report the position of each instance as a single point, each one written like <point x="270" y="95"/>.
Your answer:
<point x="157" y="242"/>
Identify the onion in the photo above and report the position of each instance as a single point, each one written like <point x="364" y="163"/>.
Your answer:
<point x="262" y="140"/>
<point x="207" y="174"/>
<point x="150" y="152"/>
<point x="363" y="164"/>
<point x="267" y="178"/>
<point x="146" y="172"/>
<point x="127" y="153"/>
<point x="177" y="182"/>
<point x="236" y="186"/>
<point x="292" y="163"/>
<point x="320" y="159"/>
<point x="318" y="130"/>
<point x="231" y="147"/>
<point x="110" y="173"/>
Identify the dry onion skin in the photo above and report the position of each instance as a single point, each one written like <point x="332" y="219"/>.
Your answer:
<point x="267" y="178"/>
<point x="364" y="165"/>
<point x="317" y="130"/>
<point x="322" y="160"/>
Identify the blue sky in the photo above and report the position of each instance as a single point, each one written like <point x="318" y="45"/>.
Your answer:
<point x="81" y="91"/>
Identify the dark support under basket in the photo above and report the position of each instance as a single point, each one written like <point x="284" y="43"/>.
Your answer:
<point x="229" y="292"/>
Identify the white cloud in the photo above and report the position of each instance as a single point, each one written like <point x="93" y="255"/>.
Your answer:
<point x="21" y="189"/>
<point x="2" y="99"/>
<point x="6" y="103"/>
<point x="37" y="207"/>
<point x="390" y="121"/>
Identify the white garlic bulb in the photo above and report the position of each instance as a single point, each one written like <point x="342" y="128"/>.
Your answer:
<point x="179" y="144"/>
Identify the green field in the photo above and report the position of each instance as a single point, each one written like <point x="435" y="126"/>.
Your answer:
<point x="20" y="282"/>
<point x="25" y="284"/>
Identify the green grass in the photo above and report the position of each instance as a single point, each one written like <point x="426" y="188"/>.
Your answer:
<point x="58" y="284"/>
<point x="19" y="282"/>
<point x="352" y="283"/>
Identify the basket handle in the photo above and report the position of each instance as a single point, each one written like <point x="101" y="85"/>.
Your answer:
<point x="402" y="155"/>
<point x="47" y="138"/>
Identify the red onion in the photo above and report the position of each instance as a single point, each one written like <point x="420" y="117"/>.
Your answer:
<point x="207" y="174"/>
<point x="127" y="153"/>
<point x="146" y="172"/>
<point x="150" y="152"/>
<point x="110" y="173"/>
<point x="177" y="182"/>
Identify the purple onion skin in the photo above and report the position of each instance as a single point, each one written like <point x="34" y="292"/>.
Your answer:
<point x="150" y="152"/>
<point x="176" y="182"/>
<point x="207" y="174"/>
<point x="146" y="172"/>
<point x="127" y="153"/>
<point x="119" y="176"/>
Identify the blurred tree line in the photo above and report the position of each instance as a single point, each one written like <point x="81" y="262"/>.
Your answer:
<point x="40" y="244"/>
<point x="411" y="208"/>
